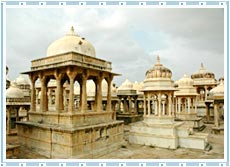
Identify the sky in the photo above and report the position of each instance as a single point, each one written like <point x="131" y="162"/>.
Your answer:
<point x="130" y="38"/>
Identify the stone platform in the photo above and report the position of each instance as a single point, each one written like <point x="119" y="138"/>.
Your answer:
<point x="191" y="119"/>
<point x="129" y="118"/>
<point x="164" y="132"/>
<point x="65" y="135"/>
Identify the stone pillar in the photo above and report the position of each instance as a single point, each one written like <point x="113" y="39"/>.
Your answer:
<point x="109" y="82"/>
<point x="163" y="107"/>
<point x="135" y="105"/>
<point x="176" y="106"/>
<point x="153" y="106"/>
<point x="33" y="94"/>
<point x="61" y="97"/>
<point x="156" y="108"/>
<point x="125" y="105"/>
<point x="170" y="104"/>
<point x="189" y="104"/>
<point x="130" y="104"/>
<point x="159" y="104"/>
<point x="216" y="115"/>
<point x="58" y="94"/>
<point x="71" y="74"/>
<point x="99" y="93"/>
<point x="8" y="120"/>
<point x="179" y="104"/>
<point x="196" y="105"/>
<point x="84" y="93"/>
<point x="144" y="104"/>
<point x="148" y="104"/>
<point x="43" y="100"/>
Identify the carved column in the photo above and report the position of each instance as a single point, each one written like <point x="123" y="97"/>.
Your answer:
<point x="58" y="92"/>
<point x="163" y="107"/>
<point x="8" y="110"/>
<point x="71" y="74"/>
<point x="130" y="104"/>
<point x="98" y="93"/>
<point x="179" y="104"/>
<point x="156" y="108"/>
<point x="33" y="93"/>
<point x="170" y="104"/>
<point x="125" y="108"/>
<point x="159" y="104"/>
<point x="149" y="106"/>
<point x="109" y="82"/>
<point x="135" y="105"/>
<point x="189" y="104"/>
<point x="144" y="104"/>
<point x="83" y="95"/>
<point x="43" y="100"/>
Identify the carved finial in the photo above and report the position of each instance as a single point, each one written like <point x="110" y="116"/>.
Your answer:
<point x="202" y="66"/>
<point x="71" y="32"/>
<point x="72" y="29"/>
<point x="158" y="59"/>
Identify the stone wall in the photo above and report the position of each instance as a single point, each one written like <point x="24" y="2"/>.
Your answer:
<point x="83" y="142"/>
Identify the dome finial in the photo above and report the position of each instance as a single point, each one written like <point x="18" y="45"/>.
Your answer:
<point x="71" y="32"/>
<point x="158" y="59"/>
<point x="202" y="66"/>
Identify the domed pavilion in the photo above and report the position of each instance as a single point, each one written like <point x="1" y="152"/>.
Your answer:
<point x="158" y="91"/>
<point x="186" y="103"/>
<point x="15" y="100"/>
<point x="204" y="81"/>
<point x="128" y="104"/>
<point x="216" y="95"/>
<point x="59" y="132"/>
<point x="158" y="128"/>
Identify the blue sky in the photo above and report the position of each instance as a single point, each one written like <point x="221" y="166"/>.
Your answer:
<point x="128" y="37"/>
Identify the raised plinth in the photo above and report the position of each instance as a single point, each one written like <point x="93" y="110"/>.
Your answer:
<point x="71" y="119"/>
<point x="191" y="119"/>
<point x="56" y="141"/>
<point x="129" y="118"/>
<point x="164" y="132"/>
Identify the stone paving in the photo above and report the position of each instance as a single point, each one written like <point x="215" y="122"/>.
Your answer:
<point x="133" y="151"/>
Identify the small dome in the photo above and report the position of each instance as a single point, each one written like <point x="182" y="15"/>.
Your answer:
<point x="186" y="81"/>
<point x="14" y="92"/>
<point x="71" y="42"/>
<point x="202" y="73"/>
<point x="127" y="85"/>
<point x="185" y="87"/>
<point x="21" y="81"/>
<point x="158" y="71"/>
<point x="217" y="92"/>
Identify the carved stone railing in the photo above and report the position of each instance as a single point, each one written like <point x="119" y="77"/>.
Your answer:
<point x="71" y="59"/>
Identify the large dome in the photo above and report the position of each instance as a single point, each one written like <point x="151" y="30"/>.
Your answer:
<point x="158" y="71"/>
<point x="71" y="42"/>
<point x="203" y="73"/>
<point x="14" y="92"/>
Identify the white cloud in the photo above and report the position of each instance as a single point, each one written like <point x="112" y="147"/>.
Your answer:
<point x="130" y="38"/>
